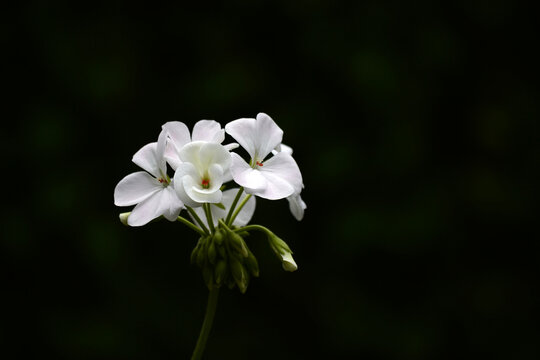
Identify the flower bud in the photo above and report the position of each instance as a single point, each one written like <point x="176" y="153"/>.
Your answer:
<point x="288" y="262"/>
<point x="283" y="251"/>
<point x="221" y="272"/>
<point x="218" y="237"/>
<point x="201" y="255"/>
<point x="238" y="243"/>
<point x="124" y="218"/>
<point x="195" y="252"/>
<point x="212" y="253"/>
<point x="208" y="277"/>
<point x="239" y="274"/>
<point x="252" y="264"/>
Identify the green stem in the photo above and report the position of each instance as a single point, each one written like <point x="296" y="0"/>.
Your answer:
<point x="239" y="208"/>
<point x="233" y="205"/>
<point x="198" y="219"/>
<point x="208" y="213"/>
<point x="254" y="227"/>
<point x="207" y="324"/>
<point x="191" y="225"/>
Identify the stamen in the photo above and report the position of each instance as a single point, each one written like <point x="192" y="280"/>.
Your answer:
<point x="205" y="183"/>
<point x="162" y="180"/>
<point x="259" y="163"/>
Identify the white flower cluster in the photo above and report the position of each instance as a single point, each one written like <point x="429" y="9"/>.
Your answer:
<point x="202" y="165"/>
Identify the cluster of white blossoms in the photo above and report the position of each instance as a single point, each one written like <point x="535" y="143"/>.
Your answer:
<point x="203" y="167"/>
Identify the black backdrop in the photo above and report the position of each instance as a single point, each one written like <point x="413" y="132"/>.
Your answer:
<point x="415" y="127"/>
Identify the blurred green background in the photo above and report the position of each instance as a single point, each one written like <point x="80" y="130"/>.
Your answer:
<point x="416" y="129"/>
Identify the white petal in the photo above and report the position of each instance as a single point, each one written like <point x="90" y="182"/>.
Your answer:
<point x="171" y="211"/>
<point x="283" y="148"/>
<point x="135" y="188"/>
<point x="190" y="153"/>
<point x="269" y="135"/>
<point x="183" y="196"/>
<point x="147" y="159"/>
<point x="171" y="155"/>
<point x="244" y="175"/>
<point x="200" y="195"/>
<point x="178" y="133"/>
<point x="243" y="131"/>
<point x="283" y="166"/>
<point x="276" y="188"/>
<point x="185" y="170"/>
<point x="160" y="149"/>
<point x="215" y="177"/>
<point x="297" y="206"/>
<point x="212" y="153"/>
<point x="245" y="215"/>
<point x="208" y="130"/>
<point x="231" y="146"/>
<point x="156" y="205"/>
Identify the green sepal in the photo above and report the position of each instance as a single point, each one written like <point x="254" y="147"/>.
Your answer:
<point x="220" y="205"/>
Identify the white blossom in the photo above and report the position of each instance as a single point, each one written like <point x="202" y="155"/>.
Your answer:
<point x="200" y="173"/>
<point x="151" y="190"/>
<point x="274" y="178"/>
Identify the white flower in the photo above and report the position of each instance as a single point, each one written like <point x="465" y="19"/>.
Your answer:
<point x="200" y="173"/>
<point x="178" y="132"/>
<point x="275" y="178"/>
<point x="151" y="190"/>
<point x="243" y="217"/>
<point x="296" y="204"/>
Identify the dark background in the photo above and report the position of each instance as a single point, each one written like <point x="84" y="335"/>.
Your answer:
<point x="416" y="129"/>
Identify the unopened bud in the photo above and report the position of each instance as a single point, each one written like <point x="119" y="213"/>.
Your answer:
<point x="284" y="252"/>
<point x="218" y="237"/>
<point x="288" y="262"/>
<point x="124" y="218"/>
<point x="194" y="253"/>
<point x="238" y="243"/>
<point x="212" y="253"/>
<point x="252" y="264"/>
<point x="239" y="274"/>
<point x="221" y="272"/>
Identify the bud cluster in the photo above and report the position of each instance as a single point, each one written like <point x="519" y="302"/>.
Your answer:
<point x="225" y="259"/>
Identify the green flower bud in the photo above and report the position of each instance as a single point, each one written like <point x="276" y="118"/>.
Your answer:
<point x="239" y="274"/>
<point x="218" y="237"/>
<point x="221" y="272"/>
<point x="212" y="253"/>
<point x="222" y="252"/>
<point x="252" y="264"/>
<point x="194" y="253"/>
<point x="208" y="276"/>
<point x="238" y="243"/>
<point x="124" y="218"/>
<point x="201" y="255"/>
<point x="283" y="252"/>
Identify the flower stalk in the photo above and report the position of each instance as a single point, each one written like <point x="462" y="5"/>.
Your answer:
<point x="211" y="306"/>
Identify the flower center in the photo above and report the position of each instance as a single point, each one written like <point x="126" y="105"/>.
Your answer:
<point x="205" y="183"/>
<point x="163" y="181"/>
<point x="259" y="163"/>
